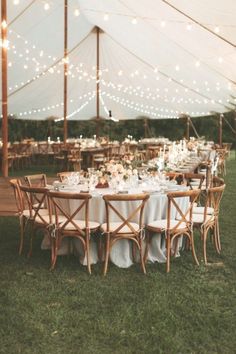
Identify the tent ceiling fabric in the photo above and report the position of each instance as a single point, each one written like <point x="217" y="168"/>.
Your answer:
<point x="157" y="58"/>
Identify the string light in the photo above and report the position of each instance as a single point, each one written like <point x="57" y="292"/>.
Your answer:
<point x="83" y="73"/>
<point x="134" y="21"/>
<point x="106" y="17"/>
<point x="89" y="96"/>
<point x="46" y="6"/>
<point x="216" y="29"/>
<point x="4" y="43"/>
<point x="76" y="12"/>
<point x="16" y="2"/>
<point x="4" y="24"/>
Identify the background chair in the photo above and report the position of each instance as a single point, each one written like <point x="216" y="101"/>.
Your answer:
<point x="125" y="227"/>
<point x="37" y="180"/>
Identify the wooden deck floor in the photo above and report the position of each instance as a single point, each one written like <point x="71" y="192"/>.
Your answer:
<point x="7" y="200"/>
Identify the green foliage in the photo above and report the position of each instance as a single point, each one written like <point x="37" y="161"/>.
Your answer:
<point x="190" y="310"/>
<point x="173" y="129"/>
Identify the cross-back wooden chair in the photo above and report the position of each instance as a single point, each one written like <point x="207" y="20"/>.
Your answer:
<point x="63" y="175"/>
<point x="194" y="180"/>
<point x="178" y="222"/>
<point x="37" y="180"/>
<point x="39" y="215"/>
<point x="173" y="176"/>
<point x="74" y="209"/>
<point x="125" y="227"/>
<point x="22" y="212"/>
<point x="207" y="218"/>
<point x="74" y="159"/>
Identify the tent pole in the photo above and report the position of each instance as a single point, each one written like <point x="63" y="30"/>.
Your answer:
<point x="220" y="129"/>
<point x="147" y="132"/>
<point x="4" y="89"/>
<point x="65" y="133"/>
<point x="235" y="131"/>
<point x="188" y="127"/>
<point x="98" y="84"/>
<point x="145" y="128"/>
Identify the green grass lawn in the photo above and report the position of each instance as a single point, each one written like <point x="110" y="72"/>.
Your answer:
<point x="190" y="310"/>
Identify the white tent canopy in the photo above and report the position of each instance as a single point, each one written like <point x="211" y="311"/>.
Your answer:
<point x="157" y="58"/>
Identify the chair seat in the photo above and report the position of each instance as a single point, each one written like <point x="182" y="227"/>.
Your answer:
<point x="199" y="218"/>
<point x="81" y="224"/>
<point x="200" y="210"/>
<point x="26" y="212"/>
<point x="162" y="224"/>
<point x="115" y="225"/>
<point x="46" y="219"/>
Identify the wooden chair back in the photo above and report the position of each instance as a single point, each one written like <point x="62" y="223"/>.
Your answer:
<point x="213" y="199"/>
<point x="189" y="177"/>
<point x="134" y="213"/>
<point x="182" y="215"/>
<point x="15" y="184"/>
<point x="37" y="180"/>
<point x="59" y="208"/>
<point x="63" y="175"/>
<point x="37" y="199"/>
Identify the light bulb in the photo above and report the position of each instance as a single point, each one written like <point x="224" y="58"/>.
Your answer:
<point x="4" y="24"/>
<point x="76" y="12"/>
<point x="46" y="6"/>
<point x="134" y="21"/>
<point x="106" y="17"/>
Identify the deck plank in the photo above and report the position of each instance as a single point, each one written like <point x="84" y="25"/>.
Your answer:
<point x="7" y="200"/>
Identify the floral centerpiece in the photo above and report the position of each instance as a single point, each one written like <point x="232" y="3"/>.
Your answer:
<point x="115" y="170"/>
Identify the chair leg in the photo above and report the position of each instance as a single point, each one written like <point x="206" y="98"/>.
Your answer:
<point x="106" y="254"/>
<point x="142" y="258"/>
<point x="218" y="235"/>
<point x="148" y="238"/>
<point x="215" y="238"/>
<point x="168" y="253"/>
<point x="54" y="251"/>
<point x="32" y="230"/>
<point x="204" y="239"/>
<point x="22" y="231"/>
<point x="88" y="252"/>
<point x="193" y="249"/>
